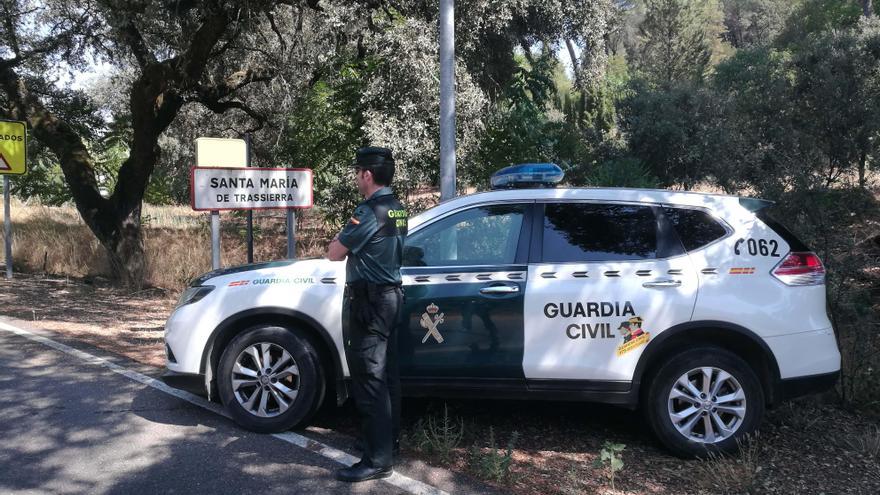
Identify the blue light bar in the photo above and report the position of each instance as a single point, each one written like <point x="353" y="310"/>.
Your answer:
<point x="527" y="175"/>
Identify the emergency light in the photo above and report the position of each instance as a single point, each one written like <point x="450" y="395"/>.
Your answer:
<point x="527" y="175"/>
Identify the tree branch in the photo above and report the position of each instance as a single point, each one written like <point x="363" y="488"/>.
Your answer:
<point x="276" y="31"/>
<point x="223" y="106"/>
<point x="527" y="51"/>
<point x="196" y="56"/>
<point x="574" y="64"/>
<point x="46" y="45"/>
<point x="10" y="29"/>
<point x="233" y="83"/>
<point x="135" y="41"/>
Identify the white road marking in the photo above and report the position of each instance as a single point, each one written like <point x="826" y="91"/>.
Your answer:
<point x="405" y="483"/>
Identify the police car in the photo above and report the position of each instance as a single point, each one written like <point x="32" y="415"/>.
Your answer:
<point x="700" y="309"/>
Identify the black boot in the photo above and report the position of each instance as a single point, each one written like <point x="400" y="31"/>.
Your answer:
<point x="360" y="471"/>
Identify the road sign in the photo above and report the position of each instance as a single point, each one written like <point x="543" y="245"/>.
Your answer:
<point x="13" y="149"/>
<point x="221" y="153"/>
<point x="215" y="189"/>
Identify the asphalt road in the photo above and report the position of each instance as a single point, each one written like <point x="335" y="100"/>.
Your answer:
<point x="70" y="426"/>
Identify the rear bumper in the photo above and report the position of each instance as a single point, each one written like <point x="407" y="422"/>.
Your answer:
<point x="190" y="382"/>
<point x="790" y="388"/>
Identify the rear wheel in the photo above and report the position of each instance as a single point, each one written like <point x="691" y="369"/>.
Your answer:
<point x="704" y="399"/>
<point x="270" y="379"/>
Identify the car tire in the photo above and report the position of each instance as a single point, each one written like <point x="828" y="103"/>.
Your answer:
<point x="270" y="379"/>
<point x="707" y="416"/>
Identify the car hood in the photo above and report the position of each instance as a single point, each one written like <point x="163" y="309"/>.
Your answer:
<point x="318" y="270"/>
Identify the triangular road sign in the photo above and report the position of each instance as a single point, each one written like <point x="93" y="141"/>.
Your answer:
<point x="4" y="165"/>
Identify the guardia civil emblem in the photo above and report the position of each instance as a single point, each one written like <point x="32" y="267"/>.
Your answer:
<point x="430" y="321"/>
<point x="633" y="335"/>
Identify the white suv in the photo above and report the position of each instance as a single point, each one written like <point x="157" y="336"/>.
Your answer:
<point x="698" y="308"/>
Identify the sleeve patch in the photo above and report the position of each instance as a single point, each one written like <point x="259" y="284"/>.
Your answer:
<point x="355" y="221"/>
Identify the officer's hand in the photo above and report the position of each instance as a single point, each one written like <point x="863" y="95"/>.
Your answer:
<point x="336" y="251"/>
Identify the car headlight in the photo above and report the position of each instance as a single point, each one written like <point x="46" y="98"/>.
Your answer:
<point x="194" y="294"/>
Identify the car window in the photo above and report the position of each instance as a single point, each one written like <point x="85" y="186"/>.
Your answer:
<point x="486" y="235"/>
<point x="598" y="232"/>
<point x="695" y="228"/>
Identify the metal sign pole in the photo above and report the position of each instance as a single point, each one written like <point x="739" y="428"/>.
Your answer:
<point x="250" y="213"/>
<point x="7" y="224"/>
<point x="291" y="235"/>
<point x="215" y="240"/>
<point x="447" y="99"/>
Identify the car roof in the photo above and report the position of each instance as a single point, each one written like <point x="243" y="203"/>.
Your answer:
<point x="715" y="202"/>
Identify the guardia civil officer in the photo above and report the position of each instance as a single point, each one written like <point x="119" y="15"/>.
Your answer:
<point x="373" y="242"/>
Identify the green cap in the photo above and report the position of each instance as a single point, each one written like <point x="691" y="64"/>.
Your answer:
<point x="373" y="156"/>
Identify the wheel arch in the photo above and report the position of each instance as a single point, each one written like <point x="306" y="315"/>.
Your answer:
<point x="233" y="325"/>
<point x="735" y="338"/>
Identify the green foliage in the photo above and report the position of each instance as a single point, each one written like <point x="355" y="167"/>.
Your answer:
<point x="494" y="463"/>
<point x="610" y="459"/>
<point x="622" y="172"/>
<point x="324" y="132"/>
<point x="818" y="16"/>
<point x="750" y="23"/>
<point x="675" y="131"/>
<point x="518" y="131"/>
<point x="541" y="118"/>
<point x="44" y="180"/>
<point x="438" y="435"/>
<point x="676" y="40"/>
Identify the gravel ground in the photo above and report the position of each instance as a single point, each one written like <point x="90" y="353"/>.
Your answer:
<point x="803" y="447"/>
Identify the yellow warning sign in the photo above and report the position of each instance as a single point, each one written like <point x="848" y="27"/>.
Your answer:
<point x="13" y="147"/>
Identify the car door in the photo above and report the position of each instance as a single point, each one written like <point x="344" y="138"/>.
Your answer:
<point x="465" y="277"/>
<point x="605" y="278"/>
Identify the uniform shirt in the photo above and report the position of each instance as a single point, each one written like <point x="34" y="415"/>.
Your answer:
<point x="374" y="237"/>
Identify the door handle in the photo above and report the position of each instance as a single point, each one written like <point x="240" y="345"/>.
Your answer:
<point x="660" y="284"/>
<point x="500" y="289"/>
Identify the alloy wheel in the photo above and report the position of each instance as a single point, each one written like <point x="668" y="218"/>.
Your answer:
<point x="265" y="379"/>
<point x="707" y="405"/>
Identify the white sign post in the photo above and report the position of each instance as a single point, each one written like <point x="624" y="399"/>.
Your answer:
<point x="218" y="152"/>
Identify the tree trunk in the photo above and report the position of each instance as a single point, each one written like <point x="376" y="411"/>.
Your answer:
<point x="115" y="221"/>
<point x="155" y="99"/>
<point x="126" y="251"/>
<point x="867" y="8"/>
<point x="575" y="66"/>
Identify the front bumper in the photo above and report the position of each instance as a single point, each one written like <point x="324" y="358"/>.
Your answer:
<point x="190" y="382"/>
<point x="790" y="388"/>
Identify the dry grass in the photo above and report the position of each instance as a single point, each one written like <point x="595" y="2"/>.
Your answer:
<point x="177" y="242"/>
<point x="718" y="473"/>
<point x="866" y="443"/>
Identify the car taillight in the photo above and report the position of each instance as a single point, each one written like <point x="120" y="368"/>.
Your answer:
<point x="800" y="269"/>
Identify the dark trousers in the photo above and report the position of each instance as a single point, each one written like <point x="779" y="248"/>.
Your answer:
<point x="372" y="361"/>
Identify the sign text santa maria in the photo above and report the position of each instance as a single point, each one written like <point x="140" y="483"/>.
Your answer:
<point x="251" y="188"/>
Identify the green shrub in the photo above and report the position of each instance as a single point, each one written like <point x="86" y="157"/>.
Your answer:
<point x="493" y="463"/>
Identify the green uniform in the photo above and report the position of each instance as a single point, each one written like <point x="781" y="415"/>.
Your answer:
<point x="374" y="236"/>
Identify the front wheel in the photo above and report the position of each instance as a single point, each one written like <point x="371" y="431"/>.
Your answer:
<point x="704" y="400"/>
<point x="270" y="379"/>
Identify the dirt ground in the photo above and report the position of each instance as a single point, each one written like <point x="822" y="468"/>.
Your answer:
<point x="803" y="447"/>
